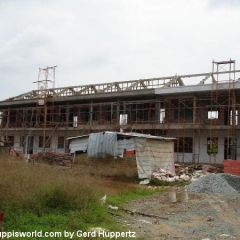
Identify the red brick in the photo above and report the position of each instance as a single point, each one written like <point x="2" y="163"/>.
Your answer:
<point x="235" y="163"/>
<point x="226" y="163"/>
<point x="228" y="170"/>
<point x="235" y="170"/>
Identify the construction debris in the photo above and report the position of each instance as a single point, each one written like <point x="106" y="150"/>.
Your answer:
<point x="62" y="159"/>
<point x="144" y="182"/>
<point x="103" y="199"/>
<point x="112" y="207"/>
<point x="185" y="173"/>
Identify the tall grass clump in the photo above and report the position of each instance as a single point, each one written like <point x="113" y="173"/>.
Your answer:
<point x="27" y="186"/>
<point x="35" y="196"/>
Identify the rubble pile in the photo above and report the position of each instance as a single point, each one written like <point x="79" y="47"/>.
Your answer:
<point x="62" y="159"/>
<point x="220" y="183"/>
<point x="185" y="173"/>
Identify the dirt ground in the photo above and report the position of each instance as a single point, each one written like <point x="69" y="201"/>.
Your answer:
<point x="203" y="217"/>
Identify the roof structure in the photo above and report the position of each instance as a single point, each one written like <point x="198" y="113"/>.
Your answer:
<point x="123" y="86"/>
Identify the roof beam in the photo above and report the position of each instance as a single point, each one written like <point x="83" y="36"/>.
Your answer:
<point x="151" y="83"/>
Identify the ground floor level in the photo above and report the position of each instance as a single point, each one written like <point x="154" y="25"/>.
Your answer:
<point x="197" y="146"/>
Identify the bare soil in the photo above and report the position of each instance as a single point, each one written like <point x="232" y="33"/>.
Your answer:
<point x="208" y="217"/>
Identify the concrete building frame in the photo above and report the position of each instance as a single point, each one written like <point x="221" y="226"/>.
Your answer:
<point x="203" y="117"/>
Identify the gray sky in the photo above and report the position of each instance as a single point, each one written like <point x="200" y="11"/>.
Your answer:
<point x="94" y="41"/>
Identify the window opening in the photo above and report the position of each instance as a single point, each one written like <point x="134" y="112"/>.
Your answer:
<point x="162" y="115"/>
<point x="123" y="119"/>
<point x="213" y="114"/>
<point x="212" y="145"/>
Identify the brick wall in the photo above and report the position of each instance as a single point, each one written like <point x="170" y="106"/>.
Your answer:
<point x="232" y="167"/>
<point x="109" y="166"/>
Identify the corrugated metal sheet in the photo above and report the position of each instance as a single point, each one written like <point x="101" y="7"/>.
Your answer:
<point x="127" y="144"/>
<point x="82" y="136"/>
<point x="79" y="144"/>
<point x="102" y="143"/>
<point x="131" y="134"/>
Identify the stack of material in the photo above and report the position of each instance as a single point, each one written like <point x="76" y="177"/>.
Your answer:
<point x="62" y="159"/>
<point x="15" y="153"/>
<point x="185" y="173"/>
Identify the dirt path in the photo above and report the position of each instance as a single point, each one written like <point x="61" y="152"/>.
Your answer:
<point x="208" y="217"/>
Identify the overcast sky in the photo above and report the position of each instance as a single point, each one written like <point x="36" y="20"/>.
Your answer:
<point x="97" y="41"/>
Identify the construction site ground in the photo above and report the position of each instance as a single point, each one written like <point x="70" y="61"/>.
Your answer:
<point x="202" y="217"/>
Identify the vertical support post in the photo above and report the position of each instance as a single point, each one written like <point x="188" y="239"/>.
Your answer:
<point x="67" y="116"/>
<point x="79" y="114"/>
<point x="66" y="127"/>
<point x="237" y="117"/>
<point x="234" y="143"/>
<point x="44" y="125"/>
<point x="111" y="115"/>
<point x="194" y="109"/>
<point x="8" y="122"/>
<point x="157" y="109"/>
<point x="118" y="111"/>
<point x="91" y="114"/>
<point x="194" y="131"/>
<point x="24" y="133"/>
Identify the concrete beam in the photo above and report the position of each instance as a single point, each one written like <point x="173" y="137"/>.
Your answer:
<point x="196" y="88"/>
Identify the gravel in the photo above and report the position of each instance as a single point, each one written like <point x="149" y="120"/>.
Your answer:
<point x="220" y="183"/>
<point x="203" y="217"/>
<point x="211" y="213"/>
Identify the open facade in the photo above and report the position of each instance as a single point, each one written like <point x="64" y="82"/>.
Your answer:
<point x="203" y="117"/>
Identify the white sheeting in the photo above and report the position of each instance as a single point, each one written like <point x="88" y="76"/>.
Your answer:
<point x="151" y="155"/>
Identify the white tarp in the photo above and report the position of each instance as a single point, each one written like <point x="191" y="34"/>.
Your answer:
<point x="102" y="143"/>
<point x="152" y="155"/>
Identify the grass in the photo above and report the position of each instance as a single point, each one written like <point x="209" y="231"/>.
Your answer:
<point x="37" y="197"/>
<point x="130" y="194"/>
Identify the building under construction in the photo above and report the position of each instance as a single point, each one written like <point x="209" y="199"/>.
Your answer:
<point x="203" y="117"/>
